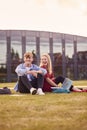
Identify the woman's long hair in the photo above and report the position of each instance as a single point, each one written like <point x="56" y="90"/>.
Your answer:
<point x="49" y="66"/>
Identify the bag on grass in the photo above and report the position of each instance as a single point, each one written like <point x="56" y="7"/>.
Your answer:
<point x="60" y="90"/>
<point x="5" y="90"/>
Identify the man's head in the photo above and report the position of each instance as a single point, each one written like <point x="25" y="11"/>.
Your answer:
<point x="28" y="58"/>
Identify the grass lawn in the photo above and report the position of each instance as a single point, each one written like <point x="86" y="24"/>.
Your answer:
<point x="49" y="112"/>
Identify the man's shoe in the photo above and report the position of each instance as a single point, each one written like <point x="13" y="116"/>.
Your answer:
<point x="33" y="91"/>
<point x="40" y="92"/>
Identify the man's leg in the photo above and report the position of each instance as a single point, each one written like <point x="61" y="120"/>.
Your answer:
<point x="40" y="81"/>
<point x="21" y="87"/>
<point x="25" y="85"/>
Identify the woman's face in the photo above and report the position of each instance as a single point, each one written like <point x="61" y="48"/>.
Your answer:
<point x="44" y="60"/>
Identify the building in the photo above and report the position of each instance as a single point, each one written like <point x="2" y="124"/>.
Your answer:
<point x="68" y="52"/>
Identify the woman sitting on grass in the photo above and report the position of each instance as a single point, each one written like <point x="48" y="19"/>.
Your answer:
<point x="50" y="81"/>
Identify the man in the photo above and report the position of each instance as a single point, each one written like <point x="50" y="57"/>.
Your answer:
<point x="30" y="76"/>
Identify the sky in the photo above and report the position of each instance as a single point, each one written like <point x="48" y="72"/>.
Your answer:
<point x="64" y="16"/>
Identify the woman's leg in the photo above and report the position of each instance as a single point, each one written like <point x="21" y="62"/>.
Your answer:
<point x="75" y="89"/>
<point x="71" y="88"/>
<point x="66" y="83"/>
<point x="59" y="79"/>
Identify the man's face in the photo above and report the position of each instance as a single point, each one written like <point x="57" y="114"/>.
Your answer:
<point x="28" y="61"/>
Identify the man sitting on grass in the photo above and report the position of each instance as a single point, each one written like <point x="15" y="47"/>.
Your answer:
<point x="30" y="76"/>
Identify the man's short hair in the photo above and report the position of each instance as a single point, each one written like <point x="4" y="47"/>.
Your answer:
<point x="28" y="55"/>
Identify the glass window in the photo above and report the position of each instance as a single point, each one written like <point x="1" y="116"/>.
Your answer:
<point x="69" y="51"/>
<point x="44" y="45"/>
<point x="31" y="47"/>
<point x="3" y="51"/>
<point x="16" y="56"/>
<point x="82" y="60"/>
<point x="57" y="58"/>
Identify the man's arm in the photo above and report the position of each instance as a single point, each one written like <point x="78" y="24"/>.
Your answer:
<point x="35" y="72"/>
<point x="39" y="69"/>
<point x="20" y="70"/>
<point x="43" y="71"/>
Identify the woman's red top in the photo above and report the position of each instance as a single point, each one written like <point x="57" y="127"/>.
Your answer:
<point x="47" y="86"/>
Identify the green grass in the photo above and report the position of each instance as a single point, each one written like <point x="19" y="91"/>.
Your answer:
<point x="49" y="112"/>
<point x="80" y="83"/>
<point x="75" y="83"/>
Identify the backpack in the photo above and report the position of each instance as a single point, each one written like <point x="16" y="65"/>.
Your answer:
<point x="5" y="90"/>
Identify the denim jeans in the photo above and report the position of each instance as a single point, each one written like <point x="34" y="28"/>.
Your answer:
<point x="24" y="85"/>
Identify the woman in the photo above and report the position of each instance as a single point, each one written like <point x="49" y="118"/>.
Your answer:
<point x="50" y="81"/>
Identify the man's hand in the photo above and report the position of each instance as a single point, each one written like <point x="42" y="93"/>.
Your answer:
<point x="33" y="72"/>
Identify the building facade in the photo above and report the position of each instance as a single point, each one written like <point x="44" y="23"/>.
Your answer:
<point x="68" y="52"/>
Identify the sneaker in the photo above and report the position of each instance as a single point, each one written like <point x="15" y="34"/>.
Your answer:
<point x="40" y="92"/>
<point x="33" y="91"/>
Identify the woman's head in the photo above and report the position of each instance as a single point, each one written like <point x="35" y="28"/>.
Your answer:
<point x="46" y="61"/>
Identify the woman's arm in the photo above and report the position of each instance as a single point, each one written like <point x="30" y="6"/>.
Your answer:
<point x="51" y="82"/>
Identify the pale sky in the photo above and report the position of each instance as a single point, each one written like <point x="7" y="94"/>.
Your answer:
<point x="64" y="16"/>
